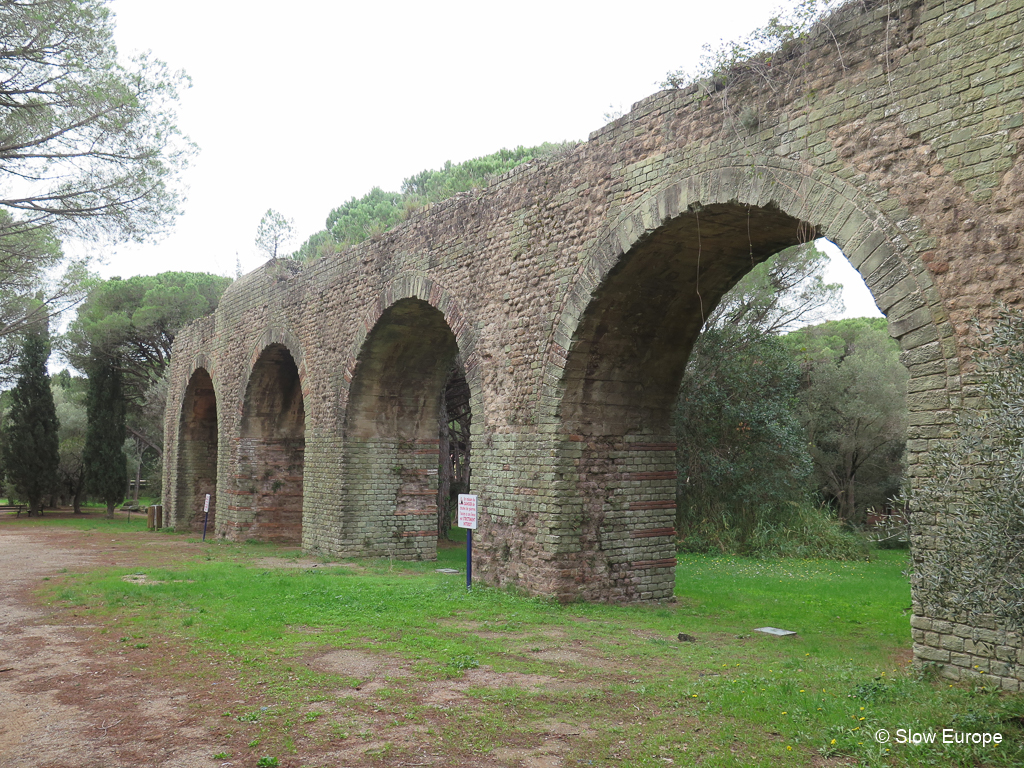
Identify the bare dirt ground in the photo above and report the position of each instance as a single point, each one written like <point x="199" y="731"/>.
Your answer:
<point x="70" y="698"/>
<point x="62" y="703"/>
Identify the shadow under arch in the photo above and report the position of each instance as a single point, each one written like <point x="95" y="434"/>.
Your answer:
<point x="631" y="317"/>
<point x="391" y="429"/>
<point x="197" y="455"/>
<point x="270" y="451"/>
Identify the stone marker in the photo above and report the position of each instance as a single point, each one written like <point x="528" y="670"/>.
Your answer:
<point x="774" y="631"/>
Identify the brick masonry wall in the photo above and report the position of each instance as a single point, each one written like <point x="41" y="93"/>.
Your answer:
<point x="573" y="290"/>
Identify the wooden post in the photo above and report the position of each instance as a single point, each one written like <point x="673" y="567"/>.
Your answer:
<point x="159" y="516"/>
<point x="150" y="517"/>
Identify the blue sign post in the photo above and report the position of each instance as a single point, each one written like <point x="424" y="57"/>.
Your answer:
<point x="206" y="512"/>
<point x="467" y="517"/>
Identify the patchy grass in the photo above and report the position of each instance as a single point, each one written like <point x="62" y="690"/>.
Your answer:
<point x="391" y="656"/>
<point x="92" y="518"/>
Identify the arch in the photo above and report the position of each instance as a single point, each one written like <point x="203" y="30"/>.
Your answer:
<point x="270" y="449"/>
<point x="390" y="426"/>
<point x="411" y="285"/>
<point x="274" y="335"/>
<point x="884" y="249"/>
<point x="197" y="453"/>
<point x="629" y="320"/>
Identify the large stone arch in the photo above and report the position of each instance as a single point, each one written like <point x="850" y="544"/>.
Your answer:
<point x="269" y="443"/>
<point x="887" y="255"/>
<point x="618" y="349"/>
<point x="414" y="336"/>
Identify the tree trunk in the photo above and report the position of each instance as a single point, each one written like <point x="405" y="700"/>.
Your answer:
<point x="848" y="506"/>
<point x="110" y="510"/>
<point x="76" y="501"/>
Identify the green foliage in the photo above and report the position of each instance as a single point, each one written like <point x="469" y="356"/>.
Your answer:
<point x="69" y="395"/>
<point x="786" y="291"/>
<point x="797" y="529"/>
<point x="742" y="461"/>
<point x="131" y="324"/>
<point x="974" y="481"/>
<point x="273" y="232"/>
<point x="378" y="211"/>
<point x="134" y="321"/>
<point x="374" y="213"/>
<point x="90" y="138"/>
<point x="434" y="186"/>
<point x="853" y="407"/>
<point x="741" y="451"/>
<point x="105" y="465"/>
<point x="755" y="52"/>
<point x="30" y="442"/>
<point x="763" y="421"/>
<point x="88" y="147"/>
<point x="31" y="284"/>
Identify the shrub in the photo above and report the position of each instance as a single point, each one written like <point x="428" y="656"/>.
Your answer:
<point x="795" y="529"/>
<point x="742" y="451"/>
<point x="974" y="484"/>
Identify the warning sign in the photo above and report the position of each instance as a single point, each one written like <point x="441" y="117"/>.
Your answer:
<point x="467" y="511"/>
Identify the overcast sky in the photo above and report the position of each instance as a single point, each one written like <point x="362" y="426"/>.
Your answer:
<point x="301" y="106"/>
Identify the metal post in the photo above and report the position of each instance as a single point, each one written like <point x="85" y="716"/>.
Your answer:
<point x="469" y="559"/>
<point x="206" y="514"/>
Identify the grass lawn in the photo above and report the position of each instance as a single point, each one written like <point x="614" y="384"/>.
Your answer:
<point x="618" y="678"/>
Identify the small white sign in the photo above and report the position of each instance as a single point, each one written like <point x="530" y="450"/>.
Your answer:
<point x="467" y="511"/>
<point x="206" y="504"/>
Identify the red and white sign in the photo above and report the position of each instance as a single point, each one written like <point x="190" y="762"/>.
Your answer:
<point x="467" y="511"/>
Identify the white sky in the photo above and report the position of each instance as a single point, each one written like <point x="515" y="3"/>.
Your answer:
<point x="301" y="106"/>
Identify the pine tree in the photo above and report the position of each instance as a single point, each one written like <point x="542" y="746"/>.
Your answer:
<point x="30" y="445"/>
<point x="106" y="471"/>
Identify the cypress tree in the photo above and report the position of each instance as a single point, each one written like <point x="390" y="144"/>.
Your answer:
<point x="106" y="471"/>
<point x="30" y="446"/>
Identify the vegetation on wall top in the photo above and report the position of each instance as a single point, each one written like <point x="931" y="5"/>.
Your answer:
<point x="755" y="52"/>
<point x="378" y="211"/>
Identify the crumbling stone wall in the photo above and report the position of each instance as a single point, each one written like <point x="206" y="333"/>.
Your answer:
<point x="572" y="290"/>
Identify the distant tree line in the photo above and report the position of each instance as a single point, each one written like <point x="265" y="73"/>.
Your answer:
<point x="378" y="211"/>
<point x="65" y="436"/>
<point x="788" y="436"/>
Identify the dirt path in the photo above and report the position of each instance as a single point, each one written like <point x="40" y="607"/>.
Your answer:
<point x="73" y="696"/>
<point x="62" y="703"/>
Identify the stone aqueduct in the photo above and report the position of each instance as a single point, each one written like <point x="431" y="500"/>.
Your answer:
<point x="570" y="292"/>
